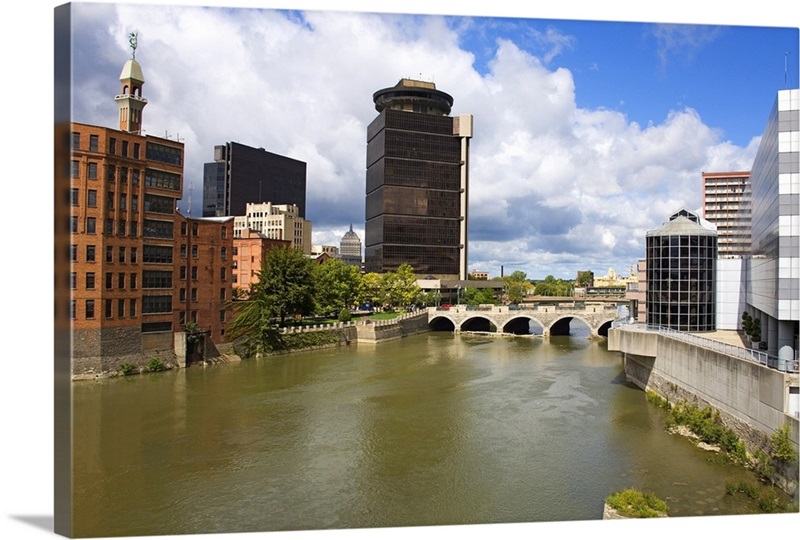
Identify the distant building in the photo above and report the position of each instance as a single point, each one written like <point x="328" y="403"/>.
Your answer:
<point x="276" y="221"/>
<point x="589" y="278"/>
<point x="727" y="204"/>
<point x="249" y="250"/>
<point x="681" y="274"/>
<point x="350" y="248"/>
<point x="417" y="182"/>
<point x="330" y="251"/>
<point x="479" y="275"/>
<point x="636" y="292"/>
<point x="241" y="174"/>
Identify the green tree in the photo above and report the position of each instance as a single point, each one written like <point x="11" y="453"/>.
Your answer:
<point x="473" y="296"/>
<point x="400" y="288"/>
<point x="584" y="279"/>
<point x="517" y="287"/>
<point x="285" y="285"/>
<point x="338" y="286"/>
<point x="371" y="289"/>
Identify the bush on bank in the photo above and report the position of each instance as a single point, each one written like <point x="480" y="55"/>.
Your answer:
<point x="637" y="504"/>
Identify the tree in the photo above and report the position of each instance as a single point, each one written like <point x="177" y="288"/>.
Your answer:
<point x="371" y="288"/>
<point x="400" y="288"/>
<point x="584" y="279"/>
<point x="285" y="284"/>
<point x="338" y="286"/>
<point x="516" y="287"/>
<point x="473" y="295"/>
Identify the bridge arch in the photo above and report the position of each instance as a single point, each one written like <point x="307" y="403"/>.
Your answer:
<point x="442" y="323"/>
<point x="604" y="327"/>
<point x="479" y="323"/>
<point x="560" y="326"/>
<point x="520" y="325"/>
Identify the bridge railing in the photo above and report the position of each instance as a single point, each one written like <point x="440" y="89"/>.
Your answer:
<point x="751" y="355"/>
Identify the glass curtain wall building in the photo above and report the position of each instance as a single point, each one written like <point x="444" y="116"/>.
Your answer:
<point x="681" y="268"/>
<point x="416" y="182"/>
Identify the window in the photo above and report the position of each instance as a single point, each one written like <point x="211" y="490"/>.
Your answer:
<point x="222" y="315"/>
<point x="134" y="253"/>
<point x="183" y="272"/>
<point x="125" y="148"/>
<point x="157" y="279"/>
<point x="90" y="309"/>
<point x="222" y="294"/>
<point x="121" y="280"/>
<point x="109" y="254"/>
<point x="183" y="228"/>
<point x="223" y="273"/>
<point x="134" y="229"/>
<point x="90" y="280"/>
<point x="109" y="226"/>
<point x="92" y="171"/>
<point x="91" y="225"/>
<point x="76" y="168"/>
<point x="183" y="251"/>
<point x="194" y="317"/>
<point x="157" y="254"/>
<point x="111" y="173"/>
<point x="182" y="318"/>
<point x="121" y="227"/>
<point x="157" y="304"/>
<point x="112" y="146"/>
<point x="182" y="295"/>
<point x="120" y="308"/>
<point x="109" y="281"/>
<point x="194" y="229"/>
<point x="157" y="229"/>
<point x="135" y="203"/>
<point x="90" y="253"/>
<point x="73" y="280"/>
<point x="135" y="177"/>
<point x="132" y="308"/>
<point x="76" y="140"/>
<point x="110" y="200"/>
<point x="136" y="150"/>
<point x="123" y="201"/>
<point x="73" y="224"/>
<point x="163" y="153"/>
<point x="108" y="309"/>
<point x="73" y="309"/>
<point x="123" y="175"/>
<point x="194" y="272"/>
<point x="224" y="232"/>
<point x="91" y="199"/>
<point x="74" y="196"/>
<point x="223" y="253"/>
<point x="121" y="254"/>
<point x="194" y="294"/>
<point x="73" y="253"/>
<point x="194" y="252"/>
<point x="133" y="280"/>
<point x="93" y="140"/>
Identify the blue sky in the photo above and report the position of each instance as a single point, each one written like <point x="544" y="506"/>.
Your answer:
<point x="587" y="133"/>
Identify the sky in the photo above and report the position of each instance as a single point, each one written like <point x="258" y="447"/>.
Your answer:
<point x="547" y="97"/>
<point x="587" y="134"/>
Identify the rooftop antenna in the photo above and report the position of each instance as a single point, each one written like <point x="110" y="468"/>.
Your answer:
<point x="786" y="69"/>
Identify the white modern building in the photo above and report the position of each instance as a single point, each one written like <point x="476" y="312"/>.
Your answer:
<point x="772" y="284"/>
<point x="275" y="221"/>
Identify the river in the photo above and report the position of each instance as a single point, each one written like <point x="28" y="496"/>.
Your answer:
<point x="433" y="429"/>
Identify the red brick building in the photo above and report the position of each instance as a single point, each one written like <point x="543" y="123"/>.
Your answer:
<point x="248" y="252"/>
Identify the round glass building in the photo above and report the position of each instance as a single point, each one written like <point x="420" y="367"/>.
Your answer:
<point x="681" y="275"/>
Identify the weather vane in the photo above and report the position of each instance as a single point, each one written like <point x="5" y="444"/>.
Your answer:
<point x="133" y="40"/>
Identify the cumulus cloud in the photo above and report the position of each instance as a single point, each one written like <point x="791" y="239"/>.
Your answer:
<point x="554" y="187"/>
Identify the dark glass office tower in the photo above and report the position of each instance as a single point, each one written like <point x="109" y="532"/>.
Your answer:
<point x="417" y="180"/>
<point x="241" y="174"/>
<point x="681" y="275"/>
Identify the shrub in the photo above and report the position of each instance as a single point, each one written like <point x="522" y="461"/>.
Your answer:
<point x="782" y="449"/>
<point x="127" y="369"/>
<point x="635" y="503"/>
<point x="345" y="315"/>
<point x="155" y="364"/>
<point x="657" y="400"/>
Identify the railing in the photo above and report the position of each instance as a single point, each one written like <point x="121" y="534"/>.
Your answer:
<point x="333" y="326"/>
<point x="743" y="353"/>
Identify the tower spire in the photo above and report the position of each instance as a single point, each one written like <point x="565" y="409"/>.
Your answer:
<point x="130" y="100"/>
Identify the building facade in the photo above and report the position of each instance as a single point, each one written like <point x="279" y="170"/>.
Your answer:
<point x="727" y="203"/>
<point x="773" y="272"/>
<point x="249" y="250"/>
<point x="241" y="174"/>
<point x="276" y="221"/>
<point x="124" y="190"/>
<point x="681" y="274"/>
<point x="205" y="275"/>
<point x="417" y="182"/>
<point x="350" y="248"/>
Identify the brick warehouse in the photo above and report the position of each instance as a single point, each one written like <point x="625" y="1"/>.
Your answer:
<point x="139" y="270"/>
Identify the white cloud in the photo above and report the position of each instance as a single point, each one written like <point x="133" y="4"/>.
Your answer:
<point x="551" y="184"/>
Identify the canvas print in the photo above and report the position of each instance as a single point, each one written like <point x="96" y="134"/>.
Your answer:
<point x="353" y="270"/>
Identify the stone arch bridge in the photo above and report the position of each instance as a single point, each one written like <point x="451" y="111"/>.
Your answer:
<point x="505" y="319"/>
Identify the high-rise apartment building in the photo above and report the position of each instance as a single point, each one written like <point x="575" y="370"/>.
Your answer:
<point x="275" y="221"/>
<point x="727" y="205"/>
<point x="241" y="174"/>
<point x="417" y="182"/>
<point x="773" y="273"/>
<point x="123" y="192"/>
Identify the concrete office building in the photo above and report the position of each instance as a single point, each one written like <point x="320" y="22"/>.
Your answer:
<point x="727" y="205"/>
<point x="350" y="248"/>
<point x="681" y="272"/>
<point x="275" y="221"/>
<point x="241" y="174"/>
<point x="773" y="270"/>
<point x="417" y="182"/>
